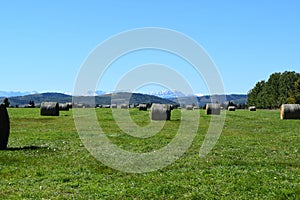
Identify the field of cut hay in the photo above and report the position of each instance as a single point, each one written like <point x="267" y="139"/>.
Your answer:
<point x="256" y="157"/>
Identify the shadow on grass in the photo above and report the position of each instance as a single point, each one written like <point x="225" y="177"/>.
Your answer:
<point x="24" y="148"/>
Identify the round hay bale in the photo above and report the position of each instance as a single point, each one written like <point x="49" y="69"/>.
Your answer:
<point x="231" y="108"/>
<point x="252" y="108"/>
<point x="4" y="127"/>
<point x="213" y="109"/>
<point x="189" y="107"/>
<point x="49" y="109"/>
<point x="64" y="107"/>
<point x="160" y="112"/>
<point x="124" y="106"/>
<point x="142" y="107"/>
<point x="290" y="111"/>
<point x="78" y="105"/>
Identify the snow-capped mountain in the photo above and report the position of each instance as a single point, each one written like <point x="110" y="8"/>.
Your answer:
<point x="167" y="94"/>
<point x="15" y="94"/>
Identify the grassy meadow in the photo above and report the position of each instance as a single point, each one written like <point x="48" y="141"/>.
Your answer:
<point x="256" y="157"/>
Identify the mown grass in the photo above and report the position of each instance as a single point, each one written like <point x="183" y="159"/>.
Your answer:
<point x="256" y="157"/>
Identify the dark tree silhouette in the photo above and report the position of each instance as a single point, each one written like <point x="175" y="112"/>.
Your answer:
<point x="6" y="102"/>
<point x="31" y="104"/>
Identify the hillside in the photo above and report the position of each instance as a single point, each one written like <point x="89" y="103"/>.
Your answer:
<point x="118" y="98"/>
<point x="122" y="98"/>
<point x="21" y="101"/>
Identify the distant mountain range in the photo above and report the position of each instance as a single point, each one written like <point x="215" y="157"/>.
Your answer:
<point x="167" y="94"/>
<point x="22" y="101"/>
<point x="15" y="94"/>
<point x="167" y="97"/>
<point x="18" y="93"/>
<point x="121" y="98"/>
<point x="203" y="100"/>
<point x="105" y="99"/>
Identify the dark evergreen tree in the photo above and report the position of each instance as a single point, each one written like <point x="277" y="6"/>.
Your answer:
<point x="254" y="95"/>
<point x="6" y="102"/>
<point x="231" y="103"/>
<point x="287" y="85"/>
<point x="297" y="91"/>
<point x="31" y="104"/>
<point x="271" y="94"/>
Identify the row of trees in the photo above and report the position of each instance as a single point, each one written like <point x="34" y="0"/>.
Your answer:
<point x="279" y="89"/>
<point x="7" y="103"/>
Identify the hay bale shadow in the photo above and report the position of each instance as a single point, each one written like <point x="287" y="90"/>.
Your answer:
<point x="25" y="148"/>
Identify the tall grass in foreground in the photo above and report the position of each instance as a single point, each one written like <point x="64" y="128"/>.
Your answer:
<point x="256" y="157"/>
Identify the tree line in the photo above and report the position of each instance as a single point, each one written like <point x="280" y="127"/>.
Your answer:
<point x="279" y="89"/>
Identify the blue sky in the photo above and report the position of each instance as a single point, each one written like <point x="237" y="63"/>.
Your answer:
<point x="44" y="43"/>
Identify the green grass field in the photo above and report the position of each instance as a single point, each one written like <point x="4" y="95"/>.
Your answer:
<point x="256" y="157"/>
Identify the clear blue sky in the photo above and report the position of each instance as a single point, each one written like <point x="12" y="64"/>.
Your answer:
<point x="44" y="43"/>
